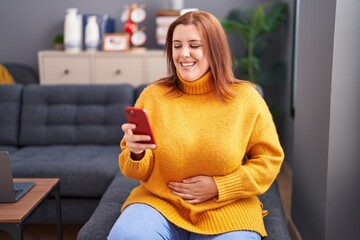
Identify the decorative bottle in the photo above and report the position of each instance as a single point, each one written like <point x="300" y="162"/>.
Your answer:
<point x="177" y="4"/>
<point x="72" y="31"/>
<point x="92" y="34"/>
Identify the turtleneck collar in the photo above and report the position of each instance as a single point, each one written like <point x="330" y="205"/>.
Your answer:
<point x="199" y="86"/>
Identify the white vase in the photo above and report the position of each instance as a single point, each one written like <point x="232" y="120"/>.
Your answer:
<point x="92" y="34"/>
<point x="72" y="31"/>
<point x="177" y="4"/>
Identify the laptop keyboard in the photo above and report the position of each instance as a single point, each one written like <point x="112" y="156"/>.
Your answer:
<point x="18" y="191"/>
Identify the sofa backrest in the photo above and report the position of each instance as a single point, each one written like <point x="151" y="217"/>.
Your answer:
<point x="10" y="104"/>
<point x="74" y="114"/>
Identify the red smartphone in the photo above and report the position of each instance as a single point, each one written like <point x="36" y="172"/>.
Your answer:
<point x="139" y="117"/>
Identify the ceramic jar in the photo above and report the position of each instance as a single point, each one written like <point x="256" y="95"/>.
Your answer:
<point x="72" y="31"/>
<point x="92" y="34"/>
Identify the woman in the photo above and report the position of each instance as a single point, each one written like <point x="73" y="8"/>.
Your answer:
<point x="217" y="146"/>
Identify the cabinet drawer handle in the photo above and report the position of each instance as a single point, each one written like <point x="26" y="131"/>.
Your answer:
<point x="118" y="72"/>
<point x="66" y="71"/>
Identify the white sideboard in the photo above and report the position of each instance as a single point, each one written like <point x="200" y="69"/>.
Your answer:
<point x="134" y="67"/>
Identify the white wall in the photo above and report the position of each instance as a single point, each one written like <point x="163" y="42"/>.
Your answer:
<point x="326" y="133"/>
<point x="343" y="208"/>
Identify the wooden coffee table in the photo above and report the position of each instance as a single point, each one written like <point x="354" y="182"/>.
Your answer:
<point x="13" y="216"/>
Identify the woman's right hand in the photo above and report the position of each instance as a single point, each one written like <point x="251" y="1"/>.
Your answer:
<point x="132" y="141"/>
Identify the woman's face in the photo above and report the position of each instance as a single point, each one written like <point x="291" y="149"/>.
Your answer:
<point x="188" y="53"/>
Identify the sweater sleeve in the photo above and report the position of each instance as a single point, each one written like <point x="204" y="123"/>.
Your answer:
<point x="265" y="157"/>
<point x="137" y="169"/>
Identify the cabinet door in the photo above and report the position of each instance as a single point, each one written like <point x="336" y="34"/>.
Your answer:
<point x="66" y="70"/>
<point x="156" y="68"/>
<point x="116" y="70"/>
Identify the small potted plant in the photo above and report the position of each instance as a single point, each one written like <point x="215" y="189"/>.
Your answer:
<point x="58" y="42"/>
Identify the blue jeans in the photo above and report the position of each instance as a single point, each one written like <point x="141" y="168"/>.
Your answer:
<point x="141" y="222"/>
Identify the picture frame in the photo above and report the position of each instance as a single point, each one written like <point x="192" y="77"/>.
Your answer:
<point x="116" y="42"/>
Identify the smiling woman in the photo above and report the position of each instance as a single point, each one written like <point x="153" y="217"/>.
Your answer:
<point x="194" y="179"/>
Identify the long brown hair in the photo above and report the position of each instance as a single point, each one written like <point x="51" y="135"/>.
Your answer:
<point x="216" y="50"/>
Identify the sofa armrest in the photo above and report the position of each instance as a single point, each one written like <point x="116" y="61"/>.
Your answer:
<point x="275" y="221"/>
<point x="108" y="210"/>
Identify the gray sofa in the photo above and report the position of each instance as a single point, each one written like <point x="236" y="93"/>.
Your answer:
<point x="69" y="132"/>
<point x="73" y="132"/>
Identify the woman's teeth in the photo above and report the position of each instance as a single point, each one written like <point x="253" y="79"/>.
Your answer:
<point x="188" y="64"/>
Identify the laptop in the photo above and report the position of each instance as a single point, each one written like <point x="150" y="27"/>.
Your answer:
<point x="10" y="191"/>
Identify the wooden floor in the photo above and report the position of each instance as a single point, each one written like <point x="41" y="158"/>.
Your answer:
<point x="45" y="232"/>
<point x="284" y="181"/>
<point x="48" y="231"/>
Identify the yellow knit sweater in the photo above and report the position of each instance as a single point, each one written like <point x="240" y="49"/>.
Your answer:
<point x="198" y="134"/>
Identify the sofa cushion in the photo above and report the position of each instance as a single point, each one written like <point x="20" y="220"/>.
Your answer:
<point x="84" y="171"/>
<point x="10" y="104"/>
<point x="8" y="148"/>
<point x="74" y="114"/>
<point x="108" y="210"/>
<point x="275" y="221"/>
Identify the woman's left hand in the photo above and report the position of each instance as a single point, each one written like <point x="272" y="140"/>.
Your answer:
<point x="196" y="189"/>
